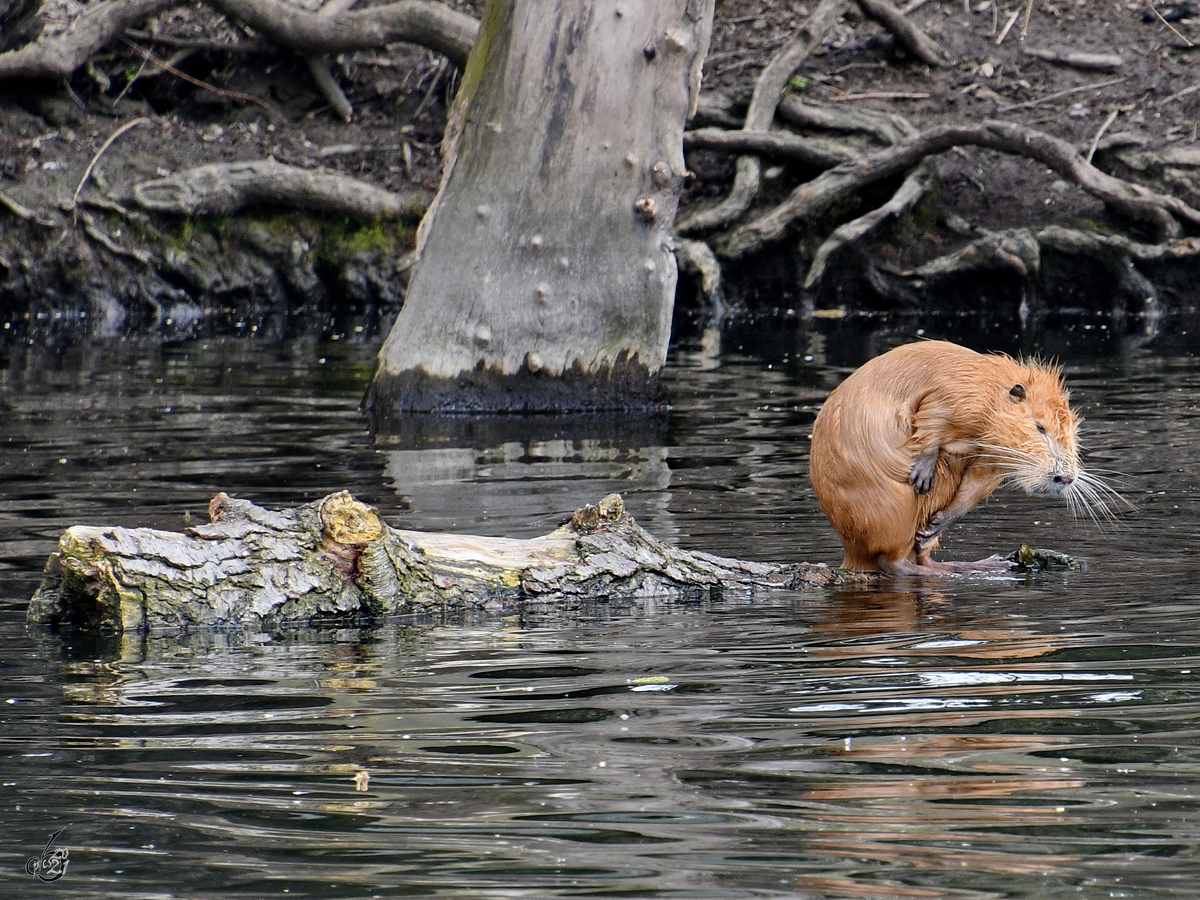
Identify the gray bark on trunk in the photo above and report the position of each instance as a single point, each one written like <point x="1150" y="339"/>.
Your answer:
<point x="546" y="277"/>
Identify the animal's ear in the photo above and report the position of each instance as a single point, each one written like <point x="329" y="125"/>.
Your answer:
<point x="1017" y="392"/>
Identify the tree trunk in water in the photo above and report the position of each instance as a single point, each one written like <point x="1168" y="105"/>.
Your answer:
<point x="547" y="277"/>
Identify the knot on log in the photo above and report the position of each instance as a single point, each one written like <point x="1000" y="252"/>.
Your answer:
<point x="347" y="527"/>
<point x="349" y="521"/>
<point x="608" y="511"/>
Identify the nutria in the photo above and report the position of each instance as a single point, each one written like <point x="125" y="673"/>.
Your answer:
<point x="916" y="437"/>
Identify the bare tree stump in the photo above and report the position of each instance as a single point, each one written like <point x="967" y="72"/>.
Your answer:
<point x="546" y="279"/>
<point x="336" y="560"/>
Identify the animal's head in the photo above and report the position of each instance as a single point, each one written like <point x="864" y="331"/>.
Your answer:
<point x="1036" y="439"/>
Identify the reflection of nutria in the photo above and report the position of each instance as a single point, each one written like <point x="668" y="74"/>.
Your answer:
<point x="916" y="437"/>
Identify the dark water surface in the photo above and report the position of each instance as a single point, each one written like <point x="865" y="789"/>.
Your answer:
<point x="968" y="738"/>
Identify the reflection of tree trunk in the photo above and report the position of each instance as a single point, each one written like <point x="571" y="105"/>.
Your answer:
<point x="334" y="559"/>
<point x="547" y="278"/>
<point x="523" y="481"/>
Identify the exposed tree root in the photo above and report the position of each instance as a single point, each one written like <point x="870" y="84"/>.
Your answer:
<point x="59" y="56"/>
<point x="761" y="112"/>
<point x="222" y="189"/>
<point x="807" y="151"/>
<point x="422" y="22"/>
<point x="697" y="258"/>
<point x="335" y="559"/>
<point x="813" y="198"/>
<point x="320" y="67"/>
<point x="915" y="186"/>
<point x="887" y="128"/>
<point x="1020" y="250"/>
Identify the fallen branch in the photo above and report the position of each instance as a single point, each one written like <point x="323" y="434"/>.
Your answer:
<point x="767" y="91"/>
<point x="915" y="186"/>
<point x="1103" y="62"/>
<point x="221" y="189"/>
<point x="812" y="199"/>
<point x="917" y="42"/>
<point x="335" y="559"/>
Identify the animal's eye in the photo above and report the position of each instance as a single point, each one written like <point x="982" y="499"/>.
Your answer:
<point x="1017" y="392"/>
<point x="1041" y="428"/>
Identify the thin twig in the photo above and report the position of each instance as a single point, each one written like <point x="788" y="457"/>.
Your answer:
<point x="1025" y="21"/>
<point x="884" y="95"/>
<point x="87" y="173"/>
<point x="995" y="15"/>
<point x="1179" y="94"/>
<point x="1112" y="117"/>
<point x="129" y="83"/>
<point x="233" y="95"/>
<point x="1007" y="27"/>
<point x="437" y="77"/>
<point x="1074" y="90"/>
<point x="1159" y="16"/>
<point x="912" y="6"/>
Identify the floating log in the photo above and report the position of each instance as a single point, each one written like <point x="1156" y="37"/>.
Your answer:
<point x="335" y="560"/>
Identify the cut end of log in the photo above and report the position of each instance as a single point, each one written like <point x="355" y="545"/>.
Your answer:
<point x="608" y="511"/>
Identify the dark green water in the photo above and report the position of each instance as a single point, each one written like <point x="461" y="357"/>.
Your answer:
<point x="971" y="738"/>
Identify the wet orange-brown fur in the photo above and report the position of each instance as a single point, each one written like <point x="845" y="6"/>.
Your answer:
<point x="926" y="398"/>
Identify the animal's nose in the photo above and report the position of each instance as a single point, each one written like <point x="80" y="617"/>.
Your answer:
<point x="1064" y="478"/>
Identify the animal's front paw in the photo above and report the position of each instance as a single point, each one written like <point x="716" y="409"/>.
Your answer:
<point x="921" y="476"/>
<point x="936" y="525"/>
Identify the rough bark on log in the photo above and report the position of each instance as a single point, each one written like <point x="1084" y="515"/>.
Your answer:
<point x="221" y="189"/>
<point x="336" y="560"/>
<point x="546" y="278"/>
